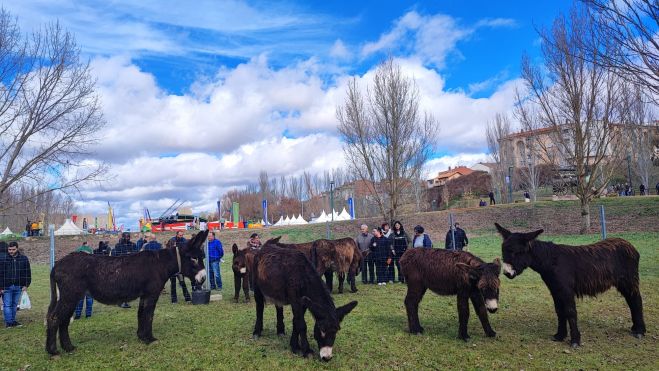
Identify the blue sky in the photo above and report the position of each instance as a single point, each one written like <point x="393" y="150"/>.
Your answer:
<point x="201" y="96"/>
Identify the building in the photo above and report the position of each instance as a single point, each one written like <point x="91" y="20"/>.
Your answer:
<point x="445" y="176"/>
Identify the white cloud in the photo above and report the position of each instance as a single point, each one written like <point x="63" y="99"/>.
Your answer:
<point x="339" y="50"/>
<point x="436" y="165"/>
<point x="431" y="38"/>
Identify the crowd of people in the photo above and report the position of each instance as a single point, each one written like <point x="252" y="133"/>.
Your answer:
<point x="383" y="246"/>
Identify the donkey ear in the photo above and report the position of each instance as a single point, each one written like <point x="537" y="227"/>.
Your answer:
<point x="533" y="235"/>
<point x="502" y="231"/>
<point x="276" y="239"/>
<point x="197" y="240"/>
<point x="497" y="262"/>
<point x="234" y="249"/>
<point x="344" y="310"/>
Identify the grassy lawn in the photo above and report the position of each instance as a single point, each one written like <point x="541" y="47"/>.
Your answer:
<point x="373" y="336"/>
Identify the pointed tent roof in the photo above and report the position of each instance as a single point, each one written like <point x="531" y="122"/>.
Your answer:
<point x="321" y="219"/>
<point x="7" y="231"/>
<point x="68" y="229"/>
<point x="344" y="215"/>
<point x="300" y="220"/>
<point x="280" y="221"/>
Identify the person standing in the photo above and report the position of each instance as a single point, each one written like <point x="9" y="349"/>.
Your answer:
<point x="386" y="229"/>
<point x="400" y="241"/>
<point x="421" y="239"/>
<point x="87" y="300"/>
<point x="381" y="248"/>
<point x="657" y="188"/>
<point x="153" y="244"/>
<point x="254" y="242"/>
<point x="215" y="254"/>
<point x="28" y="228"/>
<point x="123" y="248"/>
<point x="140" y="242"/>
<point x="15" y="278"/>
<point x="179" y="241"/>
<point x="492" y="200"/>
<point x="641" y="189"/>
<point x="363" y="243"/>
<point x="461" y="240"/>
<point x="84" y="224"/>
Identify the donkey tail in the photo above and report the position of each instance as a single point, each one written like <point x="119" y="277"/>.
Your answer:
<point x="53" y="292"/>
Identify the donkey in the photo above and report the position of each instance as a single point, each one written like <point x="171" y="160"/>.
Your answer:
<point x="342" y="256"/>
<point x="451" y="273"/>
<point x="570" y="271"/>
<point x="242" y="260"/>
<point x="114" y="280"/>
<point x="285" y="276"/>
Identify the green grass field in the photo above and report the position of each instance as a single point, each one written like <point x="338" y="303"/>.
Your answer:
<point x="373" y="336"/>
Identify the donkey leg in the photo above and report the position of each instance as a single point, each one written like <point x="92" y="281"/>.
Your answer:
<point x="246" y="288"/>
<point x="479" y="306"/>
<point x="52" y="323"/>
<point x="258" y="326"/>
<point x="342" y="277"/>
<point x="281" y="329"/>
<point x="295" y="338"/>
<point x="351" y="280"/>
<point x="561" y="333"/>
<point x="635" y="303"/>
<point x="463" y="316"/>
<point x="329" y="277"/>
<point x="236" y="286"/>
<point x="64" y="315"/>
<point x="412" y="299"/>
<point x="145" y="319"/>
<point x="570" y="312"/>
<point x="301" y="324"/>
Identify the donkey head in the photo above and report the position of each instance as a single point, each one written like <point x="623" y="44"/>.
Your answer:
<point x="239" y="264"/>
<point x="328" y="320"/>
<point x="516" y="250"/>
<point x="192" y="258"/>
<point x="486" y="278"/>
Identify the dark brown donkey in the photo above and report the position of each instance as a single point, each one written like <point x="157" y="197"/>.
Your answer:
<point x="328" y="256"/>
<point x="115" y="280"/>
<point x="451" y="273"/>
<point x="576" y="271"/>
<point x="284" y="276"/>
<point x="242" y="261"/>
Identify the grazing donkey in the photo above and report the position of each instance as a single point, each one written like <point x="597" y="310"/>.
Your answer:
<point x="242" y="260"/>
<point x="570" y="271"/>
<point x="284" y="276"/>
<point x="451" y="273"/>
<point x="114" y="280"/>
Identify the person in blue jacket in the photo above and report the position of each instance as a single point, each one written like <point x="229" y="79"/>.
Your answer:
<point x="421" y="239"/>
<point x="215" y="254"/>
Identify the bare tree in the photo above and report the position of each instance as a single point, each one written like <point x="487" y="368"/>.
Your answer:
<point x="639" y="131"/>
<point x="497" y="130"/>
<point x="631" y="26"/>
<point x="387" y="140"/>
<point x="49" y="112"/>
<point x="576" y="98"/>
<point x="263" y="184"/>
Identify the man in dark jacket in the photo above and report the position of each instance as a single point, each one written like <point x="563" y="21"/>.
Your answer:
<point x="122" y="248"/>
<point x="492" y="200"/>
<point x="15" y="278"/>
<point x="153" y="244"/>
<point x="178" y="241"/>
<point x="215" y="254"/>
<point x="364" y="243"/>
<point x="460" y="238"/>
<point x="400" y="241"/>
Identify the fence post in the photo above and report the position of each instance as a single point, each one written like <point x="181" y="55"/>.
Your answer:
<point x="450" y="225"/>
<point x="603" y="221"/>
<point x="51" y="233"/>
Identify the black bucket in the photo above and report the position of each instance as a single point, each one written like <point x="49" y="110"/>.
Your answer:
<point x="201" y="296"/>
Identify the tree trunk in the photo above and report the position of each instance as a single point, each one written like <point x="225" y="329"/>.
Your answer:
<point x="585" y="217"/>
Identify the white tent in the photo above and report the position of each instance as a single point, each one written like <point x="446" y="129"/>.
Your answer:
<point x="287" y="221"/>
<point x="321" y="219"/>
<point x="344" y="215"/>
<point x="68" y="229"/>
<point x="7" y="231"/>
<point x="280" y="221"/>
<point x="335" y="216"/>
<point x="300" y="220"/>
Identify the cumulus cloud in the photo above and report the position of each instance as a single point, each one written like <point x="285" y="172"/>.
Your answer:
<point x="442" y="163"/>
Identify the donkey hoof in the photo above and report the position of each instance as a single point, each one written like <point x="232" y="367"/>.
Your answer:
<point x="281" y="334"/>
<point x="575" y="345"/>
<point x="256" y="336"/>
<point x="235" y="300"/>
<point x="354" y="290"/>
<point x="69" y="348"/>
<point x="491" y="334"/>
<point x="638" y="335"/>
<point x="465" y="338"/>
<point x="308" y="353"/>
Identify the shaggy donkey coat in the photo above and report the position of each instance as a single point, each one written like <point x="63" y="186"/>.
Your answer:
<point x="328" y="256"/>
<point x="448" y="272"/>
<point x="284" y="276"/>
<point x="114" y="280"/>
<point x="241" y="266"/>
<point x="576" y="271"/>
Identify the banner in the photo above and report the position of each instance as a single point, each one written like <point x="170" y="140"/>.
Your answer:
<point x="351" y="207"/>
<point x="265" y="211"/>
